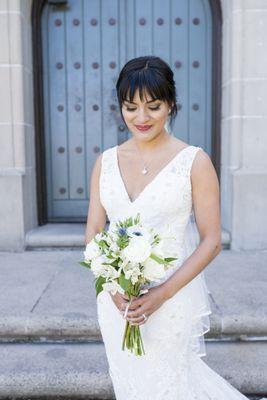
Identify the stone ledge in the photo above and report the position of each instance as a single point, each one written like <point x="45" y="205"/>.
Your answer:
<point x="31" y="328"/>
<point x="79" y="370"/>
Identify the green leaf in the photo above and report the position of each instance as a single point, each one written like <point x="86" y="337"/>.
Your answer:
<point x="84" y="264"/>
<point x="125" y="283"/>
<point x="137" y="218"/>
<point x="169" y="259"/>
<point x="158" y="259"/>
<point x="99" y="284"/>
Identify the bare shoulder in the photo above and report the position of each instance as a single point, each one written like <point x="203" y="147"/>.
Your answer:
<point x="203" y="168"/>
<point x="202" y="157"/>
<point x="97" y="164"/>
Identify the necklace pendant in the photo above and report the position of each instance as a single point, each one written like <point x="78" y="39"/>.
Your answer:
<point x="144" y="170"/>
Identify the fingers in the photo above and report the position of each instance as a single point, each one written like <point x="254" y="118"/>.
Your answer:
<point x="126" y="296"/>
<point x="140" y="320"/>
<point x="136" y="313"/>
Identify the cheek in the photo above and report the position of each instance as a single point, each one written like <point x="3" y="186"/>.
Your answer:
<point x="128" y="116"/>
<point x="161" y="117"/>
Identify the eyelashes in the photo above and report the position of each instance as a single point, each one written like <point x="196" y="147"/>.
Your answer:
<point x="152" y="109"/>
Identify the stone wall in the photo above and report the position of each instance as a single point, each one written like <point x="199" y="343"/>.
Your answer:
<point x="244" y="123"/>
<point x="17" y="160"/>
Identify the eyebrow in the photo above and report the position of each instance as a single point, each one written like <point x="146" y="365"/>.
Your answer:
<point x="132" y="102"/>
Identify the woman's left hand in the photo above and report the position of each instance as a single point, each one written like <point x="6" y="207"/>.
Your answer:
<point x="145" y="304"/>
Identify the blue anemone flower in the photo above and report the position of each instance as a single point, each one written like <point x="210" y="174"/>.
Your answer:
<point x="122" y="231"/>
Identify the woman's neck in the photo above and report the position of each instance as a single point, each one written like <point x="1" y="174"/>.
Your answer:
<point x="153" y="144"/>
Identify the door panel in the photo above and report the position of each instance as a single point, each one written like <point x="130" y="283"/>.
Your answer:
<point x="85" y="45"/>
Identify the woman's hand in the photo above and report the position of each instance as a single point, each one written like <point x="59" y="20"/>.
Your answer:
<point x="121" y="300"/>
<point x="145" y="304"/>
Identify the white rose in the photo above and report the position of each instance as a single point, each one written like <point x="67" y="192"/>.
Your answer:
<point x="92" y="251"/>
<point x="153" y="271"/>
<point x="166" y="248"/>
<point x="138" y="250"/>
<point x="112" y="287"/>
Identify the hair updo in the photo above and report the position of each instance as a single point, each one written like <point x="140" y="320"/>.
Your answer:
<point x="148" y="73"/>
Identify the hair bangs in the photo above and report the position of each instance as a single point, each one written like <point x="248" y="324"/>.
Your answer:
<point x="146" y="83"/>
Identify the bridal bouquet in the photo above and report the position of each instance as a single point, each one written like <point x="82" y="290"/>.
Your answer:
<point x="127" y="257"/>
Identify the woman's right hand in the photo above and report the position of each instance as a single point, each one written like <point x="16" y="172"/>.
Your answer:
<point x="121" y="301"/>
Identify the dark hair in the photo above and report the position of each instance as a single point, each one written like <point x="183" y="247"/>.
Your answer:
<point x="150" y="73"/>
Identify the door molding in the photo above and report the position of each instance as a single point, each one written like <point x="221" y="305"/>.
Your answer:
<point x="37" y="9"/>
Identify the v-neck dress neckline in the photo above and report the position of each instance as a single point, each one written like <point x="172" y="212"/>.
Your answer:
<point x="169" y="163"/>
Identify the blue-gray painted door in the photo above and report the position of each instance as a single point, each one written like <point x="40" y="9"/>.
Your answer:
<point x="85" y="45"/>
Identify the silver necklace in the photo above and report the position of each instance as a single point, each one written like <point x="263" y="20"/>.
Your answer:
<point x="145" y="166"/>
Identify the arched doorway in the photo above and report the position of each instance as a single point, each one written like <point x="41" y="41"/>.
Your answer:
<point x="79" y="48"/>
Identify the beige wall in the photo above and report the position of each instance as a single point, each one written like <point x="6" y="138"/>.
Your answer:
<point x="244" y="124"/>
<point x="17" y="163"/>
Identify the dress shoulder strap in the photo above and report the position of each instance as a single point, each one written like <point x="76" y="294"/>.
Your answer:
<point x="185" y="162"/>
<point x="107" y="159"/>
<point x="107" y="167"/>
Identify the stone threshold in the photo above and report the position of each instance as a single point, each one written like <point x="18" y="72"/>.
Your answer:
<point x="71" y="235"/>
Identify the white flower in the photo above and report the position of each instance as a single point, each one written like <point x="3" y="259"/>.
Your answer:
<point x="131" y="271"/>
<point x="112" y="287"/>
<point x="139" y="230"/>
<point x="92" y="251"/>
<point x="100" y="269"/>
<point x="99" y="236"/>
<point x="138" y="249"/>
<point x="97" y="266"/>
<point x="168" y="245"/>
<point x="114" y="247"/>
<point x="135" y="275"/>
<point x="153" y="271"/>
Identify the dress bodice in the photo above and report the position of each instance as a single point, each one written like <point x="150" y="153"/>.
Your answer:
<point x="167" y="199"/>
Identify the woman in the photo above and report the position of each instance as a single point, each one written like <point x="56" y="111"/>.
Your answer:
<point x="164" y="179"/>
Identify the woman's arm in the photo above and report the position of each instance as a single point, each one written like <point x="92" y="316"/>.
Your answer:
<point x="206" y="202"/>
<point x="96" y="218"/>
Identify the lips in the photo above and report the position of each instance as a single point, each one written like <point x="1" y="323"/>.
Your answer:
<point x="143" y="127"/>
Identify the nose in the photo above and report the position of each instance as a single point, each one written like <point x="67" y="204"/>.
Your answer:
<point x="142" y="117"/>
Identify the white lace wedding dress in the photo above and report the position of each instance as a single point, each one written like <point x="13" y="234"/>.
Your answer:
<point x="172" y="368"/>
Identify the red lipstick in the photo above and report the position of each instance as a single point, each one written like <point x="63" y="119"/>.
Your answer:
<point x="143" y="127"/>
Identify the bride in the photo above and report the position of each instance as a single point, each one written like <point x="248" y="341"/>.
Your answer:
<point x="167" y="181"/>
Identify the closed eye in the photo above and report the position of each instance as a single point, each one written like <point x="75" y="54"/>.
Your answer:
<point x="151" y="108"/>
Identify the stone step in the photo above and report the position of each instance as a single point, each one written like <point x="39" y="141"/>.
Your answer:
<point x="28" y="328"/>
<point x="64" y="235"/>
<point x="57" y="297"/>
<point x="81" y="370"/>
